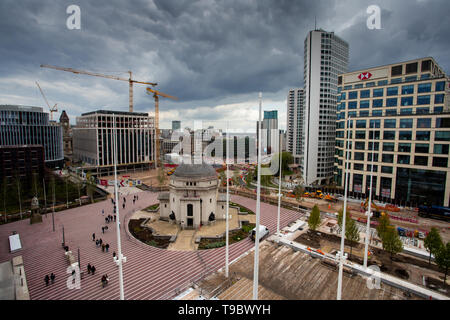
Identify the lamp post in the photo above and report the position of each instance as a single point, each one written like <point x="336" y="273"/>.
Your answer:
<point x="45" y="197"/>
<point x="369" y="211"/>
<point x="258" y="207"/>
<point x="228" y="204"/>
<point x="341" y="255"/>
<point x="279" y="188"/>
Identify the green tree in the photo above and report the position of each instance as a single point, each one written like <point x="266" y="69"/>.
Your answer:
<point x="314" y="218"/>
<point x="383" y="224"/>
<point x="391" y="241"/>
<point x="286" y="160"/>
<point x="442" y="258"/>
<point x="433" y="242"/>
<point x="351" y="233"/>
<point x="250" y="177"/>
<point x="90" y="186"/>
<point x="341" y="216"/>
<point x="298" y="192"/>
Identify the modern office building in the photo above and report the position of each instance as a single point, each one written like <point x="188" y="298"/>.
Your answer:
<point x="24" y="125"/>
<point x="93" y="141"/>
<point x="402" y="111"/>
<point x="270" y="133"/>
<point x="21" y="161"/>
<point x="325" y="57"/>
<point x="176" y="125"/>
<point x="294" y="124"/>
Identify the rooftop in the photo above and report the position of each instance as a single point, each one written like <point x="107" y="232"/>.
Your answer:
<point x="195" y="171"/>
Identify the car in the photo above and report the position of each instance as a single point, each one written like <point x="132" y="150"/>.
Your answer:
<point x="263" y="231"/>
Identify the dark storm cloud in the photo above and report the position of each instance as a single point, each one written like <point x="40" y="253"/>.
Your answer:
<point x="204" y="52"/>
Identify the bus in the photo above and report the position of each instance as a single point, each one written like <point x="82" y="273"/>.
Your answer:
<point x="435" y="212"/>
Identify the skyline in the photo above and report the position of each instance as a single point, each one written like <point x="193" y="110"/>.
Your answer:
<point x="202" y="52"/>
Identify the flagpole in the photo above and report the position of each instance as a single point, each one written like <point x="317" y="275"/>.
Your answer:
<point x="120" y="258"/>
<point x="279" y="188"/>
<point x="369" y="211"/>
<point x="341" y="255"/>
<point x="258" y="207"/>
<point x="228" y="204"/>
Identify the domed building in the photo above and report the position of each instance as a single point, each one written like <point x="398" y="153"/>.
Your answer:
<point x="193" y="198"/>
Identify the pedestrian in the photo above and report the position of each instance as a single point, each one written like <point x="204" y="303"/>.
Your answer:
<point x="107" y="247"/>
<point x="93" y="269"/>
<point x="103" y="212"/>
<point x="114" y="254"/>
<point x="112" y="200"/>
<point x="52" y="277"/>
<point x="114" y="218"/>
<point x="103" y="229"/>
<point x="47" y="280"/>
<point x="124" y="199"/>
<point x="123" y="206"/>
<point x="106" y="227"/>
<point x="66" y="248"/>
<point x="106" y="220"/>
<point x="89" y="268"/>
<point x="97" y="242"/>
<point x="103" y="247"/>
<point x="101" y="241"/>
<point x="134" y="200"/>
<point x="93" y="237"/>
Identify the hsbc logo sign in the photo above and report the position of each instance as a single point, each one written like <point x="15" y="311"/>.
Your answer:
<point x="364" y="76"/>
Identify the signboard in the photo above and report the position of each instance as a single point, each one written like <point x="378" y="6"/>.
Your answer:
<point x="386" y="193"/>
<point x="365" y="76"/>
<point x="357" y="188"/>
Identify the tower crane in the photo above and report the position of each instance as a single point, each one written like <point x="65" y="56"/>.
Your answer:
<point x="52" y="109"/>
<point x="156" y="95"/>
<point x="130" y="80"/>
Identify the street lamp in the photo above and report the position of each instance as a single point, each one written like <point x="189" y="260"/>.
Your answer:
<point x="228" y="204"/>
<point x="279" y="188"/>
<point x="369" y="211"/>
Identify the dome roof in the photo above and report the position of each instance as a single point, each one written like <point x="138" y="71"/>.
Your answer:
<point x="195" y="171"/>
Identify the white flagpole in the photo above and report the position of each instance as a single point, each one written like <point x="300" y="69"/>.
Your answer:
<point x="258" y="207"/>
<point x="279" y="188"/>
<point x="119" y="248"/>
<point x="369" y="211"/>
<point x="228" y="204"/>
<point x="341" y="255"/>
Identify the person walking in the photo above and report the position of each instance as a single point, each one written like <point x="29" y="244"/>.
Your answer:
<point x="52" y="277"/>
<point x="114" y="218"/>
<point x="134" y="200"/>
<point x="89" y="268"/>
<point x="103" y="229"/>
<point x="106" y="220"/>
<point x="106" y="227"/>
<point x="97" y="242"/>
<point x="103" y="248"/>
<point x="47" y="280"/>
<point x="114" y="254"/>
<point x="107" y="247"/>
<point x="100" y="241"/>
<point x="103" y="212"/>
<point x="93" y="237"/>
<point x="123" y="206"/>
<point x="93" y="269"/>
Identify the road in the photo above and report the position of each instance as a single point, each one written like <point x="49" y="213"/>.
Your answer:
<point x="149" y="273"/>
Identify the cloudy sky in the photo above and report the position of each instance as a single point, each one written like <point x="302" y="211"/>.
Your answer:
<point x="215" y="56"/>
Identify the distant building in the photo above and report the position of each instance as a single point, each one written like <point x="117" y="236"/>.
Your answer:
<point x="24" y="125"/>
<point x="176" y="125"/>
<point x="93" y="141"/>
<point x="269" y="127"/>
<point x="21" y="161"/>
<point x="295" y="124"/>
<point x="400" y="111"/>
<point x="67" y="134"/>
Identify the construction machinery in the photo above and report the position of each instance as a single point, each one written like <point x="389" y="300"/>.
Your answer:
<point x="330" y="198"/>
<point x="156" y="95"/>
<point x="130" y="80"/>
<point x="52" y="109"/>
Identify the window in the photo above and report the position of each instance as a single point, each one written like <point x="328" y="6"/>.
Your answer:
<point x="391" y="112"/>
<point x="387" y="158"/>
<point x="351" y="114"/>
<point x="364" y="94"/>
<point x="424" y="87"/>
<point x="375" y="157"/>
<point x="372" y="133"/>
<point x="352" y="105"/>
<point x="392" y="91"/>
<point x="353" y="95"/>
<point x="406" y="111"/>
<point x="364" y="113"/>
<point x="392" y="102"/>
<point x="421" y="100"/>
<point x="440" y="86"/>
<point x="423" y="135"/>
<point x="382" y="82"/>
<point x="405" y="135"/>
<point x="348" y="87"/>
<point x="396" y="80"/>
<point x="425" y="76"/>
<point x="379" y="92"/>
<point x="386" y="169"/>
<point x="364" y="104"/>
<point x="440" y="162"/>
<point x="438" y="109"/>
<point x="404" y="147"/>
<point x="441" y="149"/>
<point x="410" y="79"/>
<point x="406" y="101"/>
<point x="403" y="159"/>
<point x="358" y="86"/>
<point x="374" y="147"/>
<point x="420" y="161"/>
<point x="389" y="135"/>
<point x="422" y="110"/>
<point x="424" y="123"/>
<point x="422" y="147"/>
<point x="374" y="123"/>
<point x="360" y="135"/>
<point x="390" y="123"/>
<point x="358" y="166"/>
<point x="438" y="98"/>
<point x="411" y="67"/>
<point x="360" y="145"/>
<point x="442" y="122"/>
<point x="396" y="70"/>
<point x="377" y="113"/>
<point x="409" y="89"/>
<point x="339" y="80"/>
<point x="369" y="169"/>
<point x="359" y="156"/>
<point x="370" y="84"/>
<point x="360" y="123"/>
<point x="406" y="123"/>
<point x="426" y="65"/>
<point x="377" y="103"/>
<point x="442" y="135"/>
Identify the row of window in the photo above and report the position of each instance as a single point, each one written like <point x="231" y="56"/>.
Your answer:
<point x="392" y="123"/>
<point x="392" y="102"/>
<point x="402" y="159"/>
<point x="390" y="112"/>
<point x="394" y="91"/>
<point x="403" y="135"/>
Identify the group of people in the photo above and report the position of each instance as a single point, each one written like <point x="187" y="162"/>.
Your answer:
<point x="51" y="278"/>
<point x="110" y="218"/>
<point x="104" y="280"/>
<point x="90" y="268"/>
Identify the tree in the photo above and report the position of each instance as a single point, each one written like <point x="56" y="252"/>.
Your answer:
<point x="442" y="258"/>
<point x="351" y="233"/>
<point x="314" y="218"/>
<point x="391" y="241"/>
<point x="250" y="177"/>
<point x="341" y="216"/>
<point x="433" y="242"/>
<point x="286" y="160"/>
<point x="161" y="176"/>
<point x="90" y="186"/>
<point x="383" y="224"/>
<point x="298" y="192"/>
